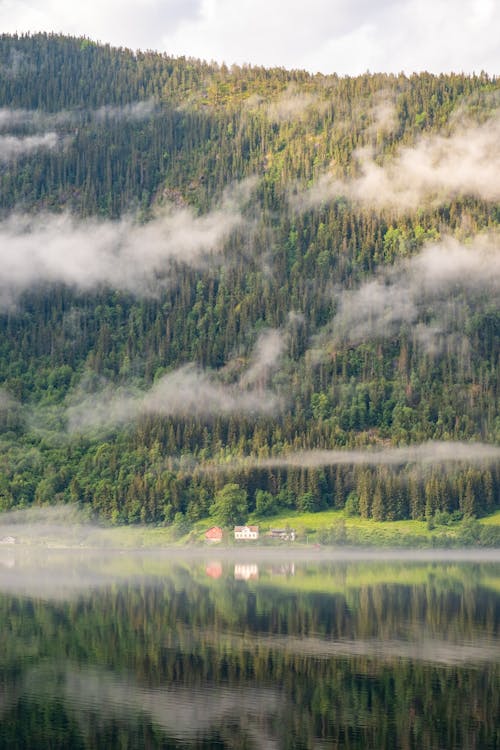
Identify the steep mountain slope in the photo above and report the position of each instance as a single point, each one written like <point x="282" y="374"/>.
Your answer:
<point x="210" y="274"/>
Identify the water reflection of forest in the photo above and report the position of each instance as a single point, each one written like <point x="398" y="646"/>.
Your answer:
<point x="177" y="658"/>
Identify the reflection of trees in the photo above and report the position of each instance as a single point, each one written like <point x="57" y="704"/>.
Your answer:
<point x="375" y="666"/>
<point x="181" y="712"/>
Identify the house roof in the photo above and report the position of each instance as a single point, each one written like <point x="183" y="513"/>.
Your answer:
<point x="242" y="528"/>
<point x="214" y="531"/>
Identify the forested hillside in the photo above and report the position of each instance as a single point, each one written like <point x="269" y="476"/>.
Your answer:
<point x="215" y="275"/>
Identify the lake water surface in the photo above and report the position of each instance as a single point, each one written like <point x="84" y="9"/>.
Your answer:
<point x="146" y="651"/>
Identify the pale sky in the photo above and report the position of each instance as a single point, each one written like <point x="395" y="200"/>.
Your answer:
<point x="342" y="36"/>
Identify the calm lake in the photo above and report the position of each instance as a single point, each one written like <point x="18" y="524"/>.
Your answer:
<point x="144" y="651"/>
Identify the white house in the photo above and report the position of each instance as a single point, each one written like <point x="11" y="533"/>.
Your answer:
<point x="246" y="532"/>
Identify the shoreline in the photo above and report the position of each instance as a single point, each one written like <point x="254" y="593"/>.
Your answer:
<point x="260" y="553"/>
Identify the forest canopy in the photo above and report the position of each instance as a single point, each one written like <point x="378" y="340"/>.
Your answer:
<point x="212" y="275"/>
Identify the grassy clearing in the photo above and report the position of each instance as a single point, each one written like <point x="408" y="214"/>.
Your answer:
<point x="493" y="520"/>
<point x="131" y="537"/>
<point x="310" y="525"/>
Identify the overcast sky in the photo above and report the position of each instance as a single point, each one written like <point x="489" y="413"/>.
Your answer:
<point x="343" y="36"/>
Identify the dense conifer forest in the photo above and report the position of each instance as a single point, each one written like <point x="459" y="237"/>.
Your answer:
<point x="211" y="273"/>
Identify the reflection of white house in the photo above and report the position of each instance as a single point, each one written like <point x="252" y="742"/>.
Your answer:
<point x="246" y="572"/>
<point x="246" y="532"/>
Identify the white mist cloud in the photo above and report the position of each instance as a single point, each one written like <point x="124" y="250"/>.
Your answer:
<point x="187" y="391"/>
<point x="438" y="284"/>
<point x="292" y="104"/>
<point x="13" y="117"/>
<point x="432" y="453"/>
<point x="435" y="170"/>
<point x="191" y="391"/>
<point x="120" y="254"/>
<point x="383" y="114"/>
<point x="6" y="400"/>
<point x="37" y="119"/>
<point x="265" y="358"/>
<point x="40" y="119"/>
<point x="12" y="147"/>
<point x="16" y="63"/>
<point x="134" y="111"/>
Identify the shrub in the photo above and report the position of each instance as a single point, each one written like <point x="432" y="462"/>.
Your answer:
<point x="351" y="507"/>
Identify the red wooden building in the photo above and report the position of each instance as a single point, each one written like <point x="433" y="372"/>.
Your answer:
<point x="214" y="534"/>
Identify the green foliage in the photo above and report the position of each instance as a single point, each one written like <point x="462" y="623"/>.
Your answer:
<point x="352" y="505"/>
<point x="265" y="503"/>
<point x="181" y="524"/>
<point x="334" y="535"/>
<point x="308" y="502"/>
<point x="230" y="505"/>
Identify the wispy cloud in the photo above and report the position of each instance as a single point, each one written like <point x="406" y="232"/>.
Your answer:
<point x="11" y="118"/>
<point x="40" y="119"/>
<point x="134" y="111"/>
<point x="187" y="391"/>
<point x="97" y="405"/>
<point x="436" y="169"/>
<point x="432" y="453"/>
<point x="431" y="292"/>
<point x="16" y="63"/>
<point x="42" y="124"/>
<point x="6" y="400"/>
<point x="120" y="254"/>
<point x="383" y="114"/>
<point x="265" y="358"/>
<point x="291" y="104"/>
<point x="12" y="147"/>
<point x="37" y="119"/>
